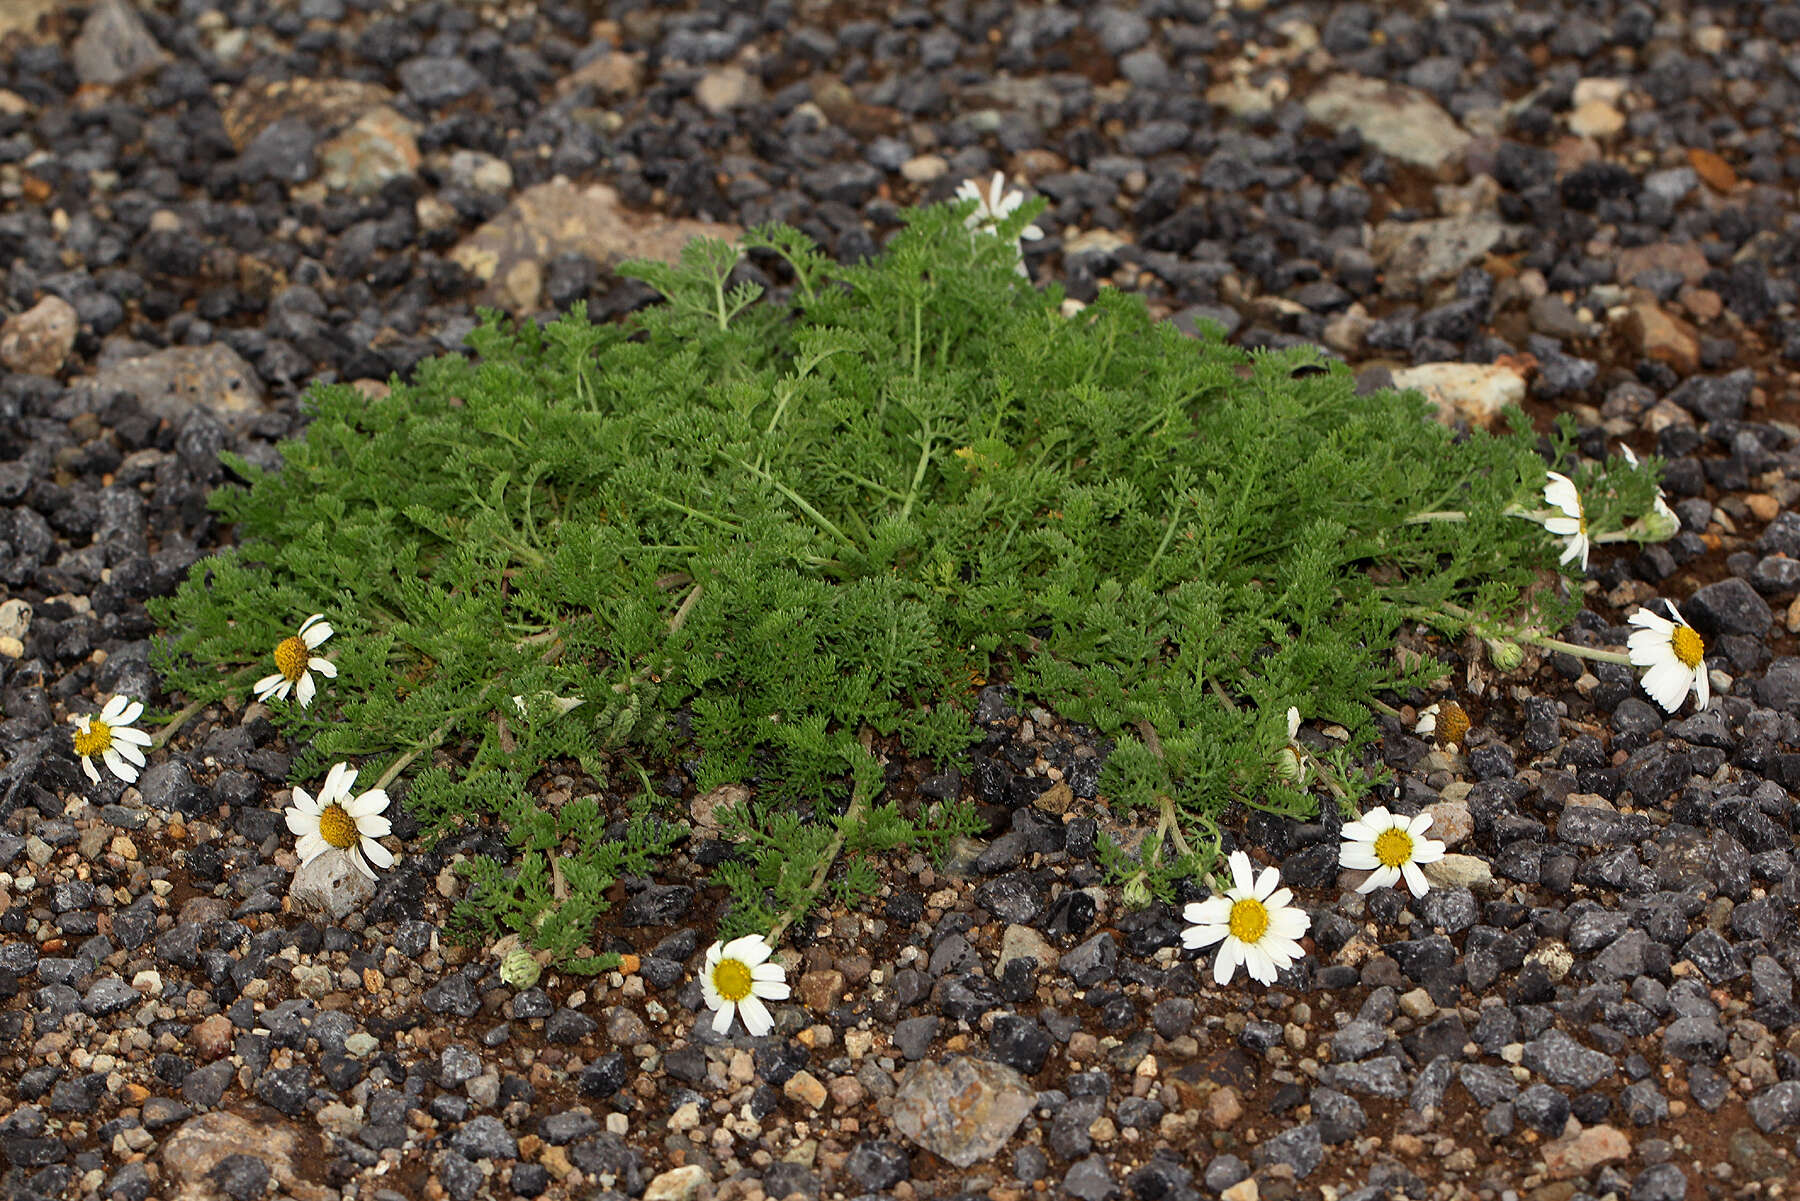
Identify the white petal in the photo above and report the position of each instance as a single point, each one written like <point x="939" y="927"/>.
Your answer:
<point x="132" y="712"/>
<point x="369" y="803"/>
<point x="1267" y="882"/>
<point x="118" y="766"/>
<point x="377" y="854"/>
<point x="751" y="948"/>
<point x="1645" y="619"/>
<point x="1195" y="937"/>
<point x="1419" y="824"/>
<point x="127" y="734"/>
<point x="283" y="689"/>
<point x="1211" y="911"/>
<point x="268" y="686"/>
<point x="1290" y="924"/>
<point x="710" y="990"/>
<point x="1358" y="856"/>
<point x="767" y="972"/>
<point x="1243" y="876"/>
<point x="756" y="1016"/>
<point x="127" y="752"/>
<point x="1560" y="491"/>
<point x="1562" y="527"/>
<point x="113" y="711"/>
<point x="300" y="822"/>
<point x="1381" y="877"/>
<point x="1675" y="613"/>
<point x="362" y="865"/>
<point x="1427" y="850"/>
<point x="317" y="634"/>
<point x="1668" y="684"/>
<point x="1258" y="964"/>
<point x="722" y="1019"/>
<point x="770" y="990"/>
<point x="1279" y="900"/>
<point x="324" y="667"/>
<point x="87" y="765"/>
<point x="373" y="825"/>
<point x="306" y="689"/>
<point x="1415" y="879"/>
<point x="1226" y="964"/>
<point x="1702" y="687"/>
<point x="310" y="847"/>
<point x="713" y="954"/>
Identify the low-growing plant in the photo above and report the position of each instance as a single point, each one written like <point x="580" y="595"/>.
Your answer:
<point x="763" y="537"/>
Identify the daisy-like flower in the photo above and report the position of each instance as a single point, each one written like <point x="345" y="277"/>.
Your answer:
<point x="738" y="977"/>
<point x="335" y="820"/>
<point x="110" y="736"/>
<point x="1560" y="492"/>
<point x="1676" y="656"/>
<point x="295" y="663"/>
<point x="1256" y="921"/>
<point x="1390" y="847"/>
<point x="1446" y="721"/>
<point x="994" y="206"/>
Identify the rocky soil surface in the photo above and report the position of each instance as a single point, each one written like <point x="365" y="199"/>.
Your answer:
<point x="1585" y="206"/>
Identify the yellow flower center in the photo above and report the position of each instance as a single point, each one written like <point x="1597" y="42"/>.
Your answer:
<point x="337" y="827"/>
<point x="1393" y="847"/>
<point x="291" y="657"/>
<point x="1452" y="723"/>
<point x="1688" y="646"/>
<point x="732" y="979"/>
<point x="91" y="741"/>
<point x="1249" y="920"/>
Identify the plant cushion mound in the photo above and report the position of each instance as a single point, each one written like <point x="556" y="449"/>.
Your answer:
<point x="746" y="529"/>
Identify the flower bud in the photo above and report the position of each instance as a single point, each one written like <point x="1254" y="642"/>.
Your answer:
<point x="1505" y="654"/>
<point x="1287" y="767"/>
<point x="520" y="968"/>
<point x="1137" y="892"/>
<point x="1659" y="524"/>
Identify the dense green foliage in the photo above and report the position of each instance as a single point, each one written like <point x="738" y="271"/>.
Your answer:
<point x="760" y="535"/>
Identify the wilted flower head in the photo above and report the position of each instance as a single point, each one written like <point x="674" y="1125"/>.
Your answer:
<point x="1560" y="492"/>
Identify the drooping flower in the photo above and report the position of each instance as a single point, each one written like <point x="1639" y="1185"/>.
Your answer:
<point x="1661" y="519"/>
<point x="737" y="978"/>
<point x="1560" y="492"/>
<point x="336" y="820"/>
<point x="109" y="736"/>
<point x="1390" y="847"/>
<point x="1676" y="656"/>
<point x="1256" y="921"/>
<point x="1290" y="760"/>
<point x="994" y="206"/>
<point x="1445" y="720"/>
<point x="295" y="663"/>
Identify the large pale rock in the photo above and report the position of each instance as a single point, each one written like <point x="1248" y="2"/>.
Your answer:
<point x="170" y="382"/>
<point x="962" y="1110"/>
<point x="22" y="16"/>
<point x="1568" y="1158"/>
<point x="331" y="884"/>
<point x="381" y="146"/>
<point x="1475" y="392"/>
<point x="509" y="253"/>
<point x="192" y="1152"/>
<point x="686" y="1183"/>
<point x="1399" y="121"/>
<point x="1416" y="254"/>
<point x="115" y="46"/>
<point x="1460" y="871"/>
<point x="326" y="105"/>
<point x="1662" y="337"/>
<point x="37" y="341"/>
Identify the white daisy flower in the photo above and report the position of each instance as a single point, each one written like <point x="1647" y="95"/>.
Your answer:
<point x="1390" y="847"/>
<point x="295" y="663"/>
<point x="1560" y="491"/>
<point x="109" y="736"/>
<point x="1256" y="920"/>
<point x="1676" y="656"/>
<point x="336" y="820"/>
<point x="738" y="977"/>
<point x="993" y="207"/>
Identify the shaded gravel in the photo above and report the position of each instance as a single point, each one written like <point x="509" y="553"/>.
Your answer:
<point x="206" y="207"/>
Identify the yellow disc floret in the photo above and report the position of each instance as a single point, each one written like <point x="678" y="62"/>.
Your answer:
<point x="732" y="979"/>
<point x="1393" y="847"/>
<point x="93" y="740"/>
<point x="337" y="827"/>
<point x="1452" y="724"/>
<point x="291" y="657"/>
<point x="1249" y="920"/>
<point x="1688" y="646"/>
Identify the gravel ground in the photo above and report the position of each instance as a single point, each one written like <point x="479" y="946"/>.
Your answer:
<point x="1588" y="206"/>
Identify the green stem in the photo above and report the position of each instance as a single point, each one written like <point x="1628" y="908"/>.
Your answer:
<point x="798" y="501"/>
<point x="1440" y="515"/>
<point x="161" y="739"/>
<point x="816" y="885"/>
<point x="1487" y="629"/>
<point x="912" y="491"/>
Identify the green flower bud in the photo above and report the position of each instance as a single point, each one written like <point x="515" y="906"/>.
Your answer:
<point x="1505" y="654"/>
<point x="1137" y="892"/>
<point x="520" y="968"/>
<point x="1288" y="767"/>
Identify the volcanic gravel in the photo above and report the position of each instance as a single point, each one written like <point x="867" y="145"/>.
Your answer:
<point x="208" y="204"/>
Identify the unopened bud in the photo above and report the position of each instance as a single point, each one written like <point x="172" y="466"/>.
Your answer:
<point x="1505" y="654"/>
<point x="520" y="968"/>
<point x="1288" y="766"/>
<point x="1659" y="524"/>
<point x="1137" y="892"/>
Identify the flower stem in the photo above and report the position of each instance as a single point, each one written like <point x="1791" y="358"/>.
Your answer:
<point x="161" y="739"/>
<point x="852" y="816"/>
<point x="1488" y="629"/>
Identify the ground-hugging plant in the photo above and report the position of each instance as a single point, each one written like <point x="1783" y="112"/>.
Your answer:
<point x="768" y="537"/>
